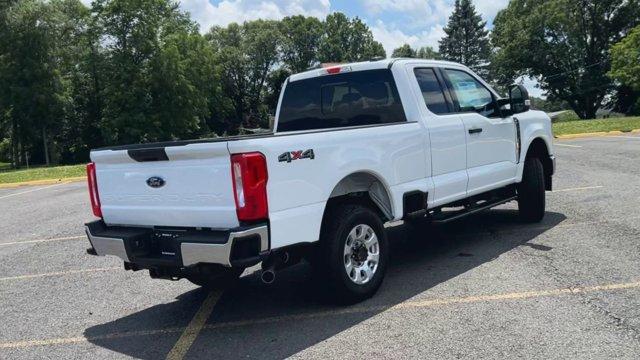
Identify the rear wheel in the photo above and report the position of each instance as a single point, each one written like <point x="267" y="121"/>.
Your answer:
<point x="531" y="195"/>
<point x="209" y="276"/>
<point x="353" y="255"/>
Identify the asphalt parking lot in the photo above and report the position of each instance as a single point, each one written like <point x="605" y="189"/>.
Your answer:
<point x="485" y="287"/>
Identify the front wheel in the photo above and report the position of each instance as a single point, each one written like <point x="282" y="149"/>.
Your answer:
<point x="353" y="253"/>
<point x="531" y="195"/>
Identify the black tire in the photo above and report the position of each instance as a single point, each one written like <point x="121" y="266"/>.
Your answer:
<point x="214" y="277"/>
<point x="531" y="193"/>
<point x="329" y="264"/>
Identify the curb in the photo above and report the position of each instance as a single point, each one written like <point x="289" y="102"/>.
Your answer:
<point x="596" y="134"/>
<point x="43" y="182"/>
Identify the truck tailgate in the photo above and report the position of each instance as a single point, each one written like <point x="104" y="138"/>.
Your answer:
<point x="190" y="187"/>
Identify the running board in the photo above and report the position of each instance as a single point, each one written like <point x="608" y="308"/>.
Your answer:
<point x="474" y="210"/>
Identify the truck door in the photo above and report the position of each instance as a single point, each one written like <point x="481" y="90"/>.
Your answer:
<point x="490" y="138"/>
<point x="446" y="133"/>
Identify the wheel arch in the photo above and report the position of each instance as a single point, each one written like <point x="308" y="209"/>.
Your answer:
<point x="366" y="187"/>
<point x="539" y="148"/>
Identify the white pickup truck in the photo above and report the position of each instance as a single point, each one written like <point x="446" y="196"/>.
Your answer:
<point x="355" y="148"/>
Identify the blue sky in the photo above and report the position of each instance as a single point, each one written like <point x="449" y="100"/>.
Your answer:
<point x="393" y="22"/>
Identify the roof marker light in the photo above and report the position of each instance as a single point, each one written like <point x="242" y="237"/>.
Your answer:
<point x="336" y="70"/>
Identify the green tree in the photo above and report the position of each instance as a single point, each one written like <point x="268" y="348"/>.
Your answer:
<point x="31" y="85"/>
<point x="80" y="68"/>
<point x="181" y="79"/>
<point x="466" y="39"/>
<point x="548" y="105"/>
<point x="246" y="54"/>
<point x="151" y="93"/>
<point x="625" y="68"/>
<point x="300" y="41"/>
<point x="347" y="40"/>
<point x="625" y="60"/>
<point x="74" y="78"/>
<point x="564" y="44"/>
<point x="427" y="52"/>
<point x="404" y="51"/>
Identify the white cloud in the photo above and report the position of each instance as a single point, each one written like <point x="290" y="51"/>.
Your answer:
<point x="489" y="8"/>
<point x="228" y="11"/>
<point x="419" y="12"/>
<point x="392" y="37"/>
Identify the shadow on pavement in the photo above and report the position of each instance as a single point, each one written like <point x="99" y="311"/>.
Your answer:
<point x="253" y="320"/>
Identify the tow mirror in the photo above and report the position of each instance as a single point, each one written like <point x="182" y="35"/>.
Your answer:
<point x="519" y="99"/>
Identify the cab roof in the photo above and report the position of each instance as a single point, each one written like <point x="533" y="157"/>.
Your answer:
<point x="365" y="65"/>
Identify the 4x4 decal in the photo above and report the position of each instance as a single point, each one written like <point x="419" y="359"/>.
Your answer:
<point x="296" y="155"/>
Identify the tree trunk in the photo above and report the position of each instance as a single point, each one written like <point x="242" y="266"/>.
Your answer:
<point x="584" y="108"/>
<point x="14" y="144"/>
<point x="22" y="153"/>
<point x="46" y="147"/>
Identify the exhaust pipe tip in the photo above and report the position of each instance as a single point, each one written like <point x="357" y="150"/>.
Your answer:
<point x="268" y="276"/>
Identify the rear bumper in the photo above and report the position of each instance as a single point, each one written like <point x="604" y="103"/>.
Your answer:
<point x="156" y="247"/>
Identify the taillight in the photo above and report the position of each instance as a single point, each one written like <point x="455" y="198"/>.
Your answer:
<point x="249" y="173"/>
<point x="93" y="189"/>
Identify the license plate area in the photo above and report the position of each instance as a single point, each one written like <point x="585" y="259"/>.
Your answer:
<point x="160" y="247"/>
<point x="164" y="243"/>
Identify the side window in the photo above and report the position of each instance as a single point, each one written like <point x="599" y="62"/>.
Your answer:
<point x="431" y="91"/>
<point x="341" y="100"/>
<point x="470" y="94"/>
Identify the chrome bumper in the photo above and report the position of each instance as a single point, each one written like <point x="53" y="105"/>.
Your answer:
<point x="118" y="241"/>
<point x="194" y="253"/>
<point x="107" y="245"/>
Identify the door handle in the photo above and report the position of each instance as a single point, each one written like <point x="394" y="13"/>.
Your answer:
<point x="475" y="131"/>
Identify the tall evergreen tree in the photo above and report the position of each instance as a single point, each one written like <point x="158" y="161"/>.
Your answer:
<point x="466" y="40"/>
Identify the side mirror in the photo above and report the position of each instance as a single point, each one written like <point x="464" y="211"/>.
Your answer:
<point x="519" y="99"/>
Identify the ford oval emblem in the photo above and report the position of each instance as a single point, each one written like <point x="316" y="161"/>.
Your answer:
<point x="155" y="182"/>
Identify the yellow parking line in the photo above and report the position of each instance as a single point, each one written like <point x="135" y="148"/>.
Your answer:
<point x="57" y="273"/>
<point x="198" y="322"/>
<point x="579" y="188"/>
<point x="190" y="334"/>
<point x="428" y="304"/>
<point x="30" y="191"/>
<point x="516" y="296"/>
<point x="42" y="182"/>
<point x="44" y="240"/>
<point x="567" y="145"/>
<point x="82" y="339"/>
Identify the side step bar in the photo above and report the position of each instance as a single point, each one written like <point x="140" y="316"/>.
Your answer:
<point x="442" y="218"/>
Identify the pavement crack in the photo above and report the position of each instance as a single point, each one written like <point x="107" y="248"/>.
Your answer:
<point x="567" y="281"/>
<point x="617" y="320"/>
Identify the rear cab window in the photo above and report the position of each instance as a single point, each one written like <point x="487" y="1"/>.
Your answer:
<point x="357" y="98"/>
<point x="432" y="92"/>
